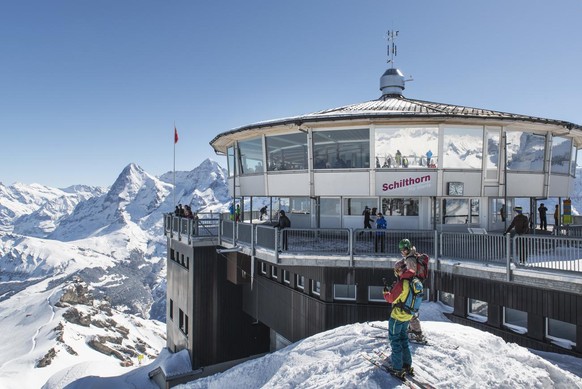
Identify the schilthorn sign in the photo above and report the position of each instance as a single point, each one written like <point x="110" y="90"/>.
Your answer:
<point x="402" y="183"/>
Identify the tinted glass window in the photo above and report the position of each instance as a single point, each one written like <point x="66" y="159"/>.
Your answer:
<point x="341" y="149"/>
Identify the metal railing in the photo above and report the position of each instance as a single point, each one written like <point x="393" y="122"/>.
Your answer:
<point x="382" y="242"/>
<point x="329" y="241"/>
<point x="188" y="228"/>
<point x="531" y="251"/>
<point x="480" y="247"/>
<point x="549" y="252"/>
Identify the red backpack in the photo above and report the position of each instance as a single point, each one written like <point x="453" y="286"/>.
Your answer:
<point x="422" y="266"/>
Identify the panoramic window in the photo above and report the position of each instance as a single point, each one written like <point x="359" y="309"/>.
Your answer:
<point x="515" y="320"/>
<point x="561" y="333"/>
<point x="400" y="207"/>
<point x="525" y="151"/>
<point x="402" y="147"/>
<point x="561" y="155"/>
<point x="463" y="147"/>
<point x="287" y="152"/>
<point x="250" y="156"/>
<point x="498" y="211"/>
<point x="344" y="292"/>
<point x="300" y="205"/>
<point x="230" y="161"/>
<point x="460" y="211"/>
<point x="573" y="163"/>
<point x="341" y="149"/>
<point x="477" y="310"/>
<point x="492" y="160"/>
<point x="356" y="206"/>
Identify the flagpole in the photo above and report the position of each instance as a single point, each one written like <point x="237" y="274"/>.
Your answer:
<point x="175" y="164"/>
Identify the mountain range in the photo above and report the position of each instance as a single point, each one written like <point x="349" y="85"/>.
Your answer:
<point x="81" y="267"/>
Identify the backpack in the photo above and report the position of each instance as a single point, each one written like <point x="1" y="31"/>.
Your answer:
<point x="421" y="265"/>
<point x="415" y="295"/>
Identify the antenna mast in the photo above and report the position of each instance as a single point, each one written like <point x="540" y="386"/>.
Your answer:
<point x="392" y="49"/>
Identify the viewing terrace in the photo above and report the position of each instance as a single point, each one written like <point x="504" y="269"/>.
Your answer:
<point x="506" y="256"/>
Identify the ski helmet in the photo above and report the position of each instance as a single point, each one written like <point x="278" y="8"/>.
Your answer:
<point x="404" y="245"/>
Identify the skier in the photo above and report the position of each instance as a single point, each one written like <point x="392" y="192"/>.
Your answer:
<point x="418" y="263"/>
<point x="401" y="358"/>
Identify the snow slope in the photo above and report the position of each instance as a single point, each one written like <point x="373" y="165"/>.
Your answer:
<point x="458" y="357"/>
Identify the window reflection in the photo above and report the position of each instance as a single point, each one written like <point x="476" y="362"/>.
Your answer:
<point x="251" y="156"/>
<point x="493" y="137"/>
<point x="398" y="147"/>
<point x="287" y="152"/>
<point x="573" y="163"/>
<point x="400" y="206"/>
<point x="463" y="147"/>
<point x="341" y="149"/>
<point x="356" y="206"/>
<point x="561" y="154"/>
<point x="460" y="211"/>
<point x="525" y="151"/>
<point x="230" y="161"/>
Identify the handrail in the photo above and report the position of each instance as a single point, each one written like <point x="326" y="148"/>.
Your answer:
<point x="559" y="252"/>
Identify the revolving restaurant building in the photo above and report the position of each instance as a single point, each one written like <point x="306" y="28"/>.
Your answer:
<point x="424" y="165"/>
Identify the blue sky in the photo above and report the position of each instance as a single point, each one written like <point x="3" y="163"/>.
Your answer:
<point x="87" y="87"/>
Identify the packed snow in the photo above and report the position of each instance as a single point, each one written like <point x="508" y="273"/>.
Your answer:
<point x="456" y="357"/>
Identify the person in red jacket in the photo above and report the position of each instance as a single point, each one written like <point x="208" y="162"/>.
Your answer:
<point x="401" y="358"/>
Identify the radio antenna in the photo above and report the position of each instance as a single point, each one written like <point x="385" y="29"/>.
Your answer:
<point x="392" y="49"/>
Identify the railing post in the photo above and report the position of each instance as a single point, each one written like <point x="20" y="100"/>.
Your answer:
<point x="437" y="264"/>
<point x="276" y="245"/>
<point x="351" y="246"/>
<point x="508" y="255"/>
<point x="220" y="229"/>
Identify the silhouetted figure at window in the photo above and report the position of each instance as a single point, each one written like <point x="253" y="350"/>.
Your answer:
<point x="367" y="218"/>
<point x="283" y="223"/>
<point x="263" y="212"/>
<point x="543" y="219"/>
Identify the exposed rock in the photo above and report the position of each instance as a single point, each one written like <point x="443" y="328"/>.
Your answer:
<point x="70" y="349"/>
<point x="47" y="359"/>
<point x="123" y="331"/>
<point x="77" y="293"/>
<point x="60" y="331"/>
<point x="74" y="316"/>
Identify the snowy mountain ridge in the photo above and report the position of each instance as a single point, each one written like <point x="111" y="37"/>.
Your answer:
<point x="110" y="240"/>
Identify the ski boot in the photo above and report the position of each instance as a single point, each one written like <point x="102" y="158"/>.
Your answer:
<point x="417" y="336"/>
<point x="409" y="370"/>
<point x="400" y="374"/>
